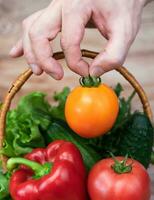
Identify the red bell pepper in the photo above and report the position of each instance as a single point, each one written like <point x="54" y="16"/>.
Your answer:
<point x="54" y="173"/>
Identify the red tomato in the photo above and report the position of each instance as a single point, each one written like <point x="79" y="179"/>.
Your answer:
<point x="106" y="184"/>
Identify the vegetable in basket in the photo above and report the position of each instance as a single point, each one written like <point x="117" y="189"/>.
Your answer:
<point x="22" y="137"/>
<point x="4" y="182"/>
<point x="28" y="122"/>
<point x="41" y="121"/>
<point x="119" y="178"/>
<point x="23" y="125"/>
<point x="49" y="128"/>
<point x="56" y="172"/>
<point x="137" y="141"/>
<point x="92" y="108"/>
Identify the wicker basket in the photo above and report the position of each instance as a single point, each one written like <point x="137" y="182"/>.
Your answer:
<point x="17" y="84"/>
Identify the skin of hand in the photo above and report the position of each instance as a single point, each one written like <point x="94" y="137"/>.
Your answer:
<point x="117" y="20"/>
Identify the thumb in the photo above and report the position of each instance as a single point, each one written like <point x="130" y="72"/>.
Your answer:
<point x="113" y="56"/>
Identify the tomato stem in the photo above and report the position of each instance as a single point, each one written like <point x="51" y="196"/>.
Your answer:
<point x="121" y="167"/>
<point x="90" y="81"/>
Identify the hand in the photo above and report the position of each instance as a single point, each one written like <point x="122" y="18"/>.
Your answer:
<point x="117" y="20"/>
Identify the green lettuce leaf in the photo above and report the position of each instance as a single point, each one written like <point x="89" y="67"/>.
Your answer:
<point x="4" y="183"/>
<point x="25" y="127"/>
<point x="60" y="97"/>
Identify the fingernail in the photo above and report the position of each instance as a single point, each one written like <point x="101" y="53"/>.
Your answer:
<point x="34" y="68"/>
<point x="13" y="51"/>
<point x="97" y="71"/>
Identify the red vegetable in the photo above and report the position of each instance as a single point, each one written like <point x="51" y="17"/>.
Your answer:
<point x="118" y="180"/>
<point x="58" y="173"/>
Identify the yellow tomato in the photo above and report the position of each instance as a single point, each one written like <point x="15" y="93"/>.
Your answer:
<point x="91" y="111"/>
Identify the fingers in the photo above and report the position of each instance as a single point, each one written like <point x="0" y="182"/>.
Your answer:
<point x="73" y="26"/>
<point x="44" y="57"/>
<point x="28" y="51"/>
<point x="38" y="30"/>
<point x="113" y="56"/>
<point x="72" y="34"/>
<point x="17" y="50"/>
<point x="23" y="46"/>
<point x="44" y="29"/>
<point x="29" y="55"/>
<point x="120" y="29"/>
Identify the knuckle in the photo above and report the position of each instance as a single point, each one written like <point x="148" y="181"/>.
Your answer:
<point x="68" y="43"/>
<point x="64" y="43"/>
<point x="42" y="60"/>
<point x="24" y="24"/>
<point x="28" y="55"/>
<point x="35" y="32"/>
<point x="46" y="69"/>
<point x="43" y="66"/>
<point x="72" y="64"/>
<point x="52" y="33"/>
<point x="115" y="61"/>
<point x="32" y="34"/>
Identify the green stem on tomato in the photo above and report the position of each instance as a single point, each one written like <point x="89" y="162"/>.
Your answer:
<point x="121" y="167"/>
<point x="39" y="170"/>
<point x="90" y="81"/>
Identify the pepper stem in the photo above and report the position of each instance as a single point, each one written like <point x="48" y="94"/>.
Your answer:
<point x="90" y="81"/>
<point x="121" y="167"/>
<point x="39" y="170"/>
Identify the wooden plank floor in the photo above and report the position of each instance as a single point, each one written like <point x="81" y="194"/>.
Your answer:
<point x="140" y="60"/>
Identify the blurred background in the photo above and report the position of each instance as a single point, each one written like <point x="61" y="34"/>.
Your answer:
<point x="140" y="60"/>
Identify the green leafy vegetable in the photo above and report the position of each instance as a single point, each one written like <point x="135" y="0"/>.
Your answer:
<point x="118" y="89"/>
<point x="137" y="138"/>
<point x="125" y="106"/>
<point x="4" y="182"/>
<point x="23" y="125"/>
<point x="60" y="98"/>
<point x="27" y="123"/>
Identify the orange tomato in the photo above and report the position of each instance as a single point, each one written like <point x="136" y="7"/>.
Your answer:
<point x="91" y="111"/>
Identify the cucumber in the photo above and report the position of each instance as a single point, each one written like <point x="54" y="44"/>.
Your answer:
<point x="137" y="139"/>
<point x="58" y="130"/>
